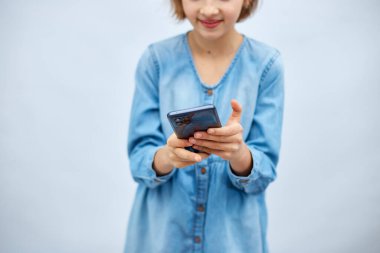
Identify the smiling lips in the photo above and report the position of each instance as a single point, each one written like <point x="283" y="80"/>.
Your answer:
<point x="210" y="23"/>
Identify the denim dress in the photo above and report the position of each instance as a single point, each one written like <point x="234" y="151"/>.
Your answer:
<point x="204" y="207"/>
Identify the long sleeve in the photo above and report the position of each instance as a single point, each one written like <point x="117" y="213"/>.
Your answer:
<point x="264" y="138"/>
<point x="145" y="135"/>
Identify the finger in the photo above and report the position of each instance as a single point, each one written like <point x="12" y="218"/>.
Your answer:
<point x="236" y="112"/>
<point x="182" y="164"/>
<point x="223" y="138"/>
<point x="231" y="147"/>
<point x="227" y="130"/>
<point x="174" y="142"/>
<point x="210" y="151"/>
<point x="179" y="163"/>
<point x="187" y="155"/>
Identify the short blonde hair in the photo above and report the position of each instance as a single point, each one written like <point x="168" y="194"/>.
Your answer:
<point x="246" y="11"/>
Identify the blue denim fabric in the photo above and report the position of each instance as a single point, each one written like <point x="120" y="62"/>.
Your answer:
<point x="167" y="214"/>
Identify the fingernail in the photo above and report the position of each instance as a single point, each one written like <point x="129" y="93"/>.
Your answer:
<point x="198" y="135"/>
<point x="211" y="131"/>
<point x="197" y="158"/>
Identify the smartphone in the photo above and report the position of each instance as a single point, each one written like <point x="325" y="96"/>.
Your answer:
<point x="186" y="122"/>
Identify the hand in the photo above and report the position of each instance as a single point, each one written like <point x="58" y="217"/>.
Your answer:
<point x="179" y="157"/>
<point x="226" y="142"/>
<point x="174" y="154"/>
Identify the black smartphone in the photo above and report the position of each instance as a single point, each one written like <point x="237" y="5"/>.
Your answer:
<point x="186" y="122"/>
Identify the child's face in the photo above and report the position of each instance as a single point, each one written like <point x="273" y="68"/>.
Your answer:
<point x="213" y="18"/>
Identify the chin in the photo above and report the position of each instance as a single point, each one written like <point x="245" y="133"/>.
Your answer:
<point x="211" y="35"/>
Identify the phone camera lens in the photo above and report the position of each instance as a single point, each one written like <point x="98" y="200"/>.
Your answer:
<point x="179" y="121"/>
<point x="186" y="120"/>
<point x="182" y="121"/>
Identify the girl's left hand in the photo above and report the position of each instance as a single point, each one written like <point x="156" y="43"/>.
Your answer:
<point x="226" y="142"/>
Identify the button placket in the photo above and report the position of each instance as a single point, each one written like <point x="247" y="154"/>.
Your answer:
<point x="209" y="95"/>
<point x="201" y="200"/>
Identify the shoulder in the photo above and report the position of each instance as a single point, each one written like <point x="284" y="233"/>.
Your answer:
<point x="169" y="43"/>
<point x="166" y="50"/>
<point x="166" y="53"/>
<point x="260" y="49"/>
<point x="169" y="47"/>
<point x="264" y="56"/>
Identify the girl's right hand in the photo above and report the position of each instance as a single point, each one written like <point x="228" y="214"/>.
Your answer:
<point x="174" y="154"/>
<point x="178" y="156"/>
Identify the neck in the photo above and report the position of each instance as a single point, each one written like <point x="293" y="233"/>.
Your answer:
<point x="228" y="44"/>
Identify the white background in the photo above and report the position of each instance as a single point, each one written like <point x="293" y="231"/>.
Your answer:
<point x="66" y="84"/>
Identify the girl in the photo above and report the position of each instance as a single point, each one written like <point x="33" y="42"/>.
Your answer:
<point x="212" y="201"/>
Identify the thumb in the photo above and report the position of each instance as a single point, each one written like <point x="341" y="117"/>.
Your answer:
<point x="236" y="111"/>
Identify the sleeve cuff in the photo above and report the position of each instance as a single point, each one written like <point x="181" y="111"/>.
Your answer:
<point x="242" y="182"/>
<point x="151" y="173"/>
